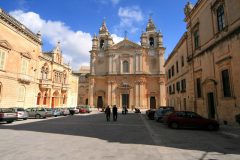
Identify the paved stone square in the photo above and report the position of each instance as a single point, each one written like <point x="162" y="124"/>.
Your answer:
<point x="91" y="137"/>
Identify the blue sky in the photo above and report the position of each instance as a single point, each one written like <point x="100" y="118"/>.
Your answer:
<point x="74" y="22"/>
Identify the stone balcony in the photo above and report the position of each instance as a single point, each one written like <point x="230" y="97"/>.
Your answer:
<point x="23" y="78"/>
<point x="65" y="87"/>
<point x="57" y="85"/>
<point x="45" y="83"/>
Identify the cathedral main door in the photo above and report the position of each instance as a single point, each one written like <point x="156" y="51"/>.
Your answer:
<point x="125" y="100"/>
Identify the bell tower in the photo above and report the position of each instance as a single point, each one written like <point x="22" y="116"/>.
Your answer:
<point x="151" y="38"/>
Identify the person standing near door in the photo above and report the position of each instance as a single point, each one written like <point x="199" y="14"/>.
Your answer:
<point x="108" y="113"/>
<point x="115" y="112"/>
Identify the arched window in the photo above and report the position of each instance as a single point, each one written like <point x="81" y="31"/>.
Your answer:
<point x="151" y="41"/>
<point x="101" y="43"/>
<point x="125" y="67"/>
<point x="44" y="71"/>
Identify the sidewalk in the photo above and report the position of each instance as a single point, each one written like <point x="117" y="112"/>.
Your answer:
<point x="232" y="131"/>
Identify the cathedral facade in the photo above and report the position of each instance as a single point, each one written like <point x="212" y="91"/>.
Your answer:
<point x="126" y="73"/>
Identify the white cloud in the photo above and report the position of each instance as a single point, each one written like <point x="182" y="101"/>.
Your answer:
<point x="116" y="39"/>
<point x="75" y="44"/>
<point x="129" y="18"/>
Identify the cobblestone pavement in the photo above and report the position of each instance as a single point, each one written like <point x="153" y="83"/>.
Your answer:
<point x="91" y="137"/>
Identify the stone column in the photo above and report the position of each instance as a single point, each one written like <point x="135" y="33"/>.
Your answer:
<point x="109" y="93"/>
<point x="114" y="92"/>
<point x="162" y="93"/>
<point x="136" y="63"/>
<point x="91" y="92"/>
<point x="131" y="102"/>
<point x="110" y="64"/>
<point x="161" y="62"/>
<point x="93" y="59"/>
<point x="137" y="94"/>
<point x="140" y="63"/>
<point x="141" y="92"/>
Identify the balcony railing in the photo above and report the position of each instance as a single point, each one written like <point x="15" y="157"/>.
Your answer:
<point x="24" y="78"/>
<point x="45" y="83"/>
<point x="65" y="87"/>
<point x="57" y="85"/>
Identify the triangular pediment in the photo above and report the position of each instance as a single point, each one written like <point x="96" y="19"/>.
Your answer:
<point x="5" y="44"/>
<point x="126" y="44"/>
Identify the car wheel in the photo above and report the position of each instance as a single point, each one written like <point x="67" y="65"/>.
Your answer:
<point x="24" y="118"/>
<point x="9" y="121"/>
<point x="174" y="125"/>
<point x="38" y="116"/>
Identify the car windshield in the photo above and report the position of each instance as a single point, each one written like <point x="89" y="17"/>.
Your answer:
<point x="41" y="109"/>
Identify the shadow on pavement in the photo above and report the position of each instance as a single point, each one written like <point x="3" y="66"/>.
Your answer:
<point x="130" y="129"/>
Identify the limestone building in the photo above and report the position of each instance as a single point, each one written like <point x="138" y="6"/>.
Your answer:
<point x="19" y="52"/>
<point x="83" y="85"/>
<point x="29" y="77"/>
<point x="126" y="73"/>
<point x="211" y="46"/>
<point x="55" y="80"/>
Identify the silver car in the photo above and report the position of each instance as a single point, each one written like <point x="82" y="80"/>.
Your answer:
<point x="8" y="115"/>
<point x="38" y="112"/>
<point x="21" y="113"/>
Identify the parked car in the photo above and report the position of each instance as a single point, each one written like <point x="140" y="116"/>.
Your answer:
<point x="161" y="111"/>
<point x="150" y="113"/>
<point x="84" y="109"/>
<point x="7" y="115"/>
<point x="74" y="109"/>
<point x="186" y="119"/>
<point x="64" y="111"/>
<point x="56" y="112"/>
<point x="38" y="112"/>
<point x="21" y="113"/>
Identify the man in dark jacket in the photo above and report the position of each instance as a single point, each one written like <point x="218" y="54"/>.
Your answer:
<point x="115" y="112"/>
<point x="108" y="113"/>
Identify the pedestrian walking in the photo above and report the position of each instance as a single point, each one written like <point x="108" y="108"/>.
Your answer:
<point x="108" y="113"/>
<point x="115" y="112"/>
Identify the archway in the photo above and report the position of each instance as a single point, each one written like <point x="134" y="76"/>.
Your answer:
<point x="55" y="99"/>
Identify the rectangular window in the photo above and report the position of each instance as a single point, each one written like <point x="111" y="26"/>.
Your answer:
<point x="182" y="61"/>
<point x="2" y="59"/>
<point x="183" y="85"/>
<point x="173" y="88"/>
<point x="177" y="66"/>
<point x="24" y="66"/>
<point x="21" y="93"/>
<point x="226" y="83"/>
<point x="199" y="88"/>
<point x="196" y="39"/>
<point x="172" y="71"/>
<point x="169" y="74"/>
<point x="170" y="89"/>
<point x="178" y="86"/>
<point x="220" y="18"/>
